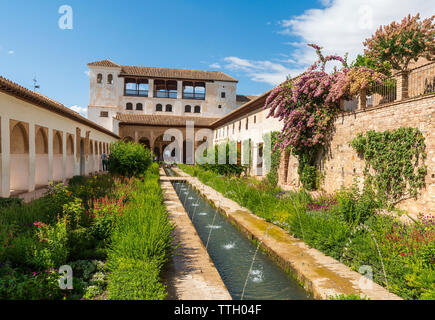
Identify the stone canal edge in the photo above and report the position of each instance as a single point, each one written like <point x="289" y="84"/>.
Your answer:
<point x="192" y="274"/>
<point x="322" y="276"/>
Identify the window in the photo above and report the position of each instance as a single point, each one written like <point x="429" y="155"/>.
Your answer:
<point x="220" y="106"/>
<point x="240" y="125"/>
<point x="255" y="119"/>
<point x="99" y="78"/>
<point x="247" y="123"/>
<point x="139" y="106"/>
<point x="129" y="106"/>
<point x="104" y="114"/>
<point x="110" y="79"/>
<point x="197" y="109"/>
<point x="234" y="127"/>
<point x="187" y="108"/>
<point x="168" y="108"/>
<point x="159" y="107"/>
<point x="223" y="95"/>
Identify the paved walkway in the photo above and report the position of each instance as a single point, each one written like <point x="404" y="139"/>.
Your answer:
<point x="192" y="275"/>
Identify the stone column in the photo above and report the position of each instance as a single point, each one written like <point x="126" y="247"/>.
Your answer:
<point x="362" y="99"/>
<point x="5" y="187"/>
<point x="179" y="89"/>
<point x="402" y="86"/>
<point x="32" y="157"/>
<point x="50" y="154"/>
<point x="151" y="88"/>
<point x="64" y="155"/>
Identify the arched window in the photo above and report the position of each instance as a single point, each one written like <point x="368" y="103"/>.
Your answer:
<point x="168" y="108"/>
<point x="129" y="106"/>
<point x="99" y="78"/>
<point x="197" y="109"/>
<point x="139" y="106"/>
<point x="110" y="79"/>
<point x="187" y="108"/>
<point x="159" y="107"/>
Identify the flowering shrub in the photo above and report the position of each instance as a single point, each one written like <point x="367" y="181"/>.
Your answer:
<point x="399" y="43"/>
<point x="309" y="103"/>
<point x="413" y="240"/>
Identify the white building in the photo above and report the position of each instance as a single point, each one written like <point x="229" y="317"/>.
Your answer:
<point x="158" y="91"/>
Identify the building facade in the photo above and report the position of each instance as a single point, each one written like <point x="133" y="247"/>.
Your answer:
<point x="43" y="141"/>
<point x="118" y="89"/>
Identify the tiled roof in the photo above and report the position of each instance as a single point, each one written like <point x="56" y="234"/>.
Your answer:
<point x="163" y="120"/>
<point x="253" y="105"/>
<point x="17" y="91"/>
<point x="153" y="72"/>
<point x="104" y="63"/>
<point x="244" y="98"/>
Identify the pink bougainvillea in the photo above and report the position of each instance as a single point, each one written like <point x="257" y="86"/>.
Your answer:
<point x="307" y="105"/>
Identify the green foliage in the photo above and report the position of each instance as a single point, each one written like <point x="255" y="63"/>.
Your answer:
<point x="140" y="244"/>
<point x="129" y="158"/>
<point x="383" y="67"/>
<point x="394" y="162"/>
<point x="345" y="227"/>
<point x="222" y="162"/>
<point x="6" y="202"/>
<point x="275" y="157"/>
<point x="77" y="180"/>
<point x="136" y="280"/>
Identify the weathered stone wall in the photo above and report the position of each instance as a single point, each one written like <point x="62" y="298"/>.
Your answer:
<point x="341" y="164"/>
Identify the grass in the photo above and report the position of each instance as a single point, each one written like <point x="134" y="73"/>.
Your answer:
<point x="140" y="245"/>
<point x="345" y="227"/>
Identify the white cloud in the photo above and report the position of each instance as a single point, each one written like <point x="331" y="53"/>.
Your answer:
<point x="11" y="52"/>
<point x="261" y="71"/>
<point x="86" y="72"/>
<point x="82" y="110"/>
<point x="215" y="66"/>
<point x="342" y="25"/>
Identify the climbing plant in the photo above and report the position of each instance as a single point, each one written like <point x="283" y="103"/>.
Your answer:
<point x="275" y="156"/>
<point x="395" y="166"/>
<point x="308" y="105"/>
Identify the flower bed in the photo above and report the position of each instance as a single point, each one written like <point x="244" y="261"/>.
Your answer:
<point x="76" y="225"/>
<point x="345" y="226"/>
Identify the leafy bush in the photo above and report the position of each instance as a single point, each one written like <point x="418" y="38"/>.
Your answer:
<point x="223" y="166"/>
<point x="129" y="159"/>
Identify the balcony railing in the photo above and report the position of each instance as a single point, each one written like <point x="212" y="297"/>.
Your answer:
<point x="165" y="94"/>
<point x="136" y="93"/>
<point x="194" y="96"/>
<point x="421" y="81"/>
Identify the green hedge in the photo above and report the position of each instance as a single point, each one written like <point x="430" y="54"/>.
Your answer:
<point x="129" y="159"/>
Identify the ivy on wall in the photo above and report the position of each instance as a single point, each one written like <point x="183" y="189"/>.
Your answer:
<point x="395" y="166"/>
<point x="275" y="156"/>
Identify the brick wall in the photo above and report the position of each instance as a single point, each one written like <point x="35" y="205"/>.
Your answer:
<point x="341" y="165"/>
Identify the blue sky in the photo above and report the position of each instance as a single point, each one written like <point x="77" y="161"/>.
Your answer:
<point x="258" y="42"/>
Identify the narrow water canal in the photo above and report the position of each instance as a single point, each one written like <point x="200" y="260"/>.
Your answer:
<point x="232" y="253"/>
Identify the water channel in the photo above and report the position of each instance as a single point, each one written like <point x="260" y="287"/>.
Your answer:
<point x="233" y="253"/>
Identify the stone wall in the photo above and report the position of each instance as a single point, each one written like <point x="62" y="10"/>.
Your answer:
<point x="341" y="165"/>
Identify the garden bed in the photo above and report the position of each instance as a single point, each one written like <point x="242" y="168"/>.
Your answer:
<point x="400" y="257"/>
<point x="101" y="226"/>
